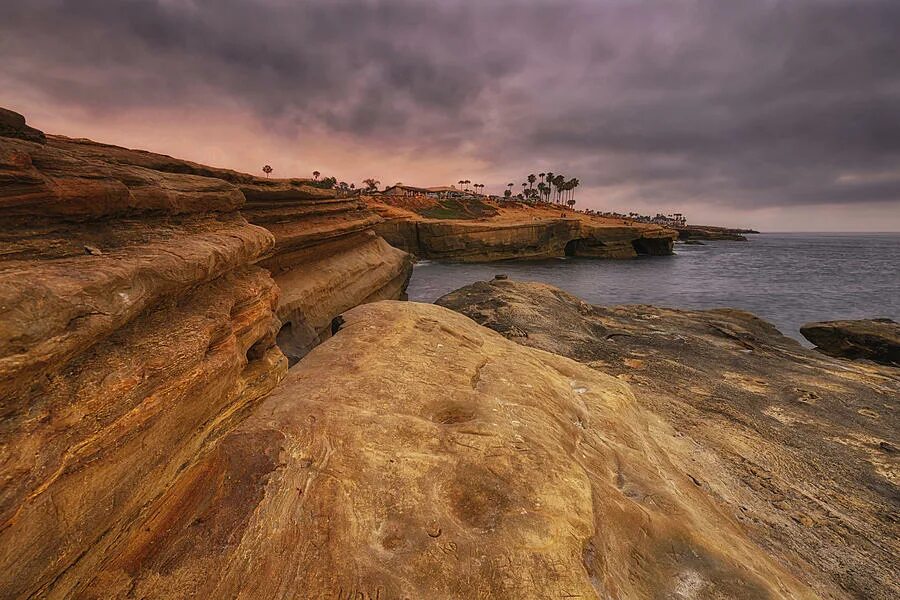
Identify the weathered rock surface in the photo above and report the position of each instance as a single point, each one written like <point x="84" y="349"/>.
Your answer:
<point x="872" y="339"/>
<point x="134" y="331"/>
<point x="798" y="448"/>
<point x="418" y="455"/>
<point x="327" y="258"/>
<point x="12" y="125"/>
<point x="137" y="327"/>
<point x="520" y="231"/>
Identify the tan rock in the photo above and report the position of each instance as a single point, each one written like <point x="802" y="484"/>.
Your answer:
<point x="136" y="328"/>
<point x="418" y="455"/>
<point x="797" y="447"/>
<point x="517" y="231"/>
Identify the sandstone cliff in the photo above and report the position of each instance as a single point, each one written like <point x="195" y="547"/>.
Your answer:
<point x="134" y="330"/>
<point x="137" y="326"/>
<point x="799" y="448"/>
<point x="513" y="230"/>
<point x="327" y="259"/>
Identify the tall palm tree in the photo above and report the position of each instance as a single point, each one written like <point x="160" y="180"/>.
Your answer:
<point x="531" y="180"/>
<point x="467" y="182"/>
<point x="540" y="188"/>
<point x="461" y="182"/>
<point x="549" y="184"/>
<point x="267" y="169"/>
<point x="558" y="182"/>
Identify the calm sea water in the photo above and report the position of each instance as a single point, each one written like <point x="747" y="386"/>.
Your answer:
<point x="788" y="279"/>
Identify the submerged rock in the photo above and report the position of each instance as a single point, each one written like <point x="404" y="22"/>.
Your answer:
<point x="874" y="339"/>
<point x="794" y="446"/>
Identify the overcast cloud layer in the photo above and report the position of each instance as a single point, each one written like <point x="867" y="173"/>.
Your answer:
<point x="727" y="108"/>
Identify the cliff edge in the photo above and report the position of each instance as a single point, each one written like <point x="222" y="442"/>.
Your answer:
<point x="487" y="230"/>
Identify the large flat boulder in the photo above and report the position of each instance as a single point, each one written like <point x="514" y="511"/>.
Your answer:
<point x="799" y="448"/>
<point x="416" y="454"/>
<point x="872" y="339"/>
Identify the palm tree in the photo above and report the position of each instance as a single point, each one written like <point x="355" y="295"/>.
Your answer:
<point x="267" y="169"/>
<point x="558" y="182"/>
<point x="467" y="182"/>
<point x="461" y="182"/>
<point x="549" y="184"/>
<point x="509" y="186"/>
<point x="371" y="184"/>
<point x="316" y="175"/>
<point x="531" y="180"/>
<point x="540" y="188"/>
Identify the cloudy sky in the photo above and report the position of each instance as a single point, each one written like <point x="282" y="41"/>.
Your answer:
<point x="778" y="114"/>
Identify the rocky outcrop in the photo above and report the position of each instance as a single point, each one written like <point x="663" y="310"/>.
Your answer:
<point x="135" y="330"/>
<point x="327" y="256"/>
<point x="137" y="327"/>
<point x="799" y="449"/>
<point x="709" y="232"/>
<point x="418" y="455"/>
<point x="484" y="241"/>
<point x="874" y="339"/>
<point x="12" y="125"/>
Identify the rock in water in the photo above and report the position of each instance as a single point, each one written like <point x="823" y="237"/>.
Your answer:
<point x="875" y="339"/>
<point x="418" y="455"/>
<point x="795" y="446"/>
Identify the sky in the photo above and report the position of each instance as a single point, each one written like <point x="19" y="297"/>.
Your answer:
<point x="783" y="115"/>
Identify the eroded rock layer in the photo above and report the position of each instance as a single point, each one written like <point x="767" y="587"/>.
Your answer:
<point x="134" y="331"/>
<point x="418" y="455"/>
<point x="327" y="258"/>
<point x="799" y="448"/>
<point x="514" y="230"/>
<point x="137" y="327"/>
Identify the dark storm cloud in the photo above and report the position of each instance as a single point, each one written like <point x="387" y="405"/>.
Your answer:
<point x="751" y="103"/>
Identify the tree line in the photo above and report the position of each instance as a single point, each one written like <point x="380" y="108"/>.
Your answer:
<point x="552" y="187"/>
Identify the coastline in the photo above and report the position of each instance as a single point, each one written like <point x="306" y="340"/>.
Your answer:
<point x="212" y="387"/>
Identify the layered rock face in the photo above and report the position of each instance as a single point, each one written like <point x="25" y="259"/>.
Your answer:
<point x="137" y="327"/>
<point x="798" y="448"/>
<point x="418" y="455"/>
<point x="547" y="238"/>
<point x="327" y="259"/>
<point x="517" y="231"/>
<point x="134" y="331"/>
<point x="327" y="256"/>
<point x="873" y="339"/>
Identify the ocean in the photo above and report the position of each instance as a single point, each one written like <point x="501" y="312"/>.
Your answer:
<point x="787" y="279"/>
